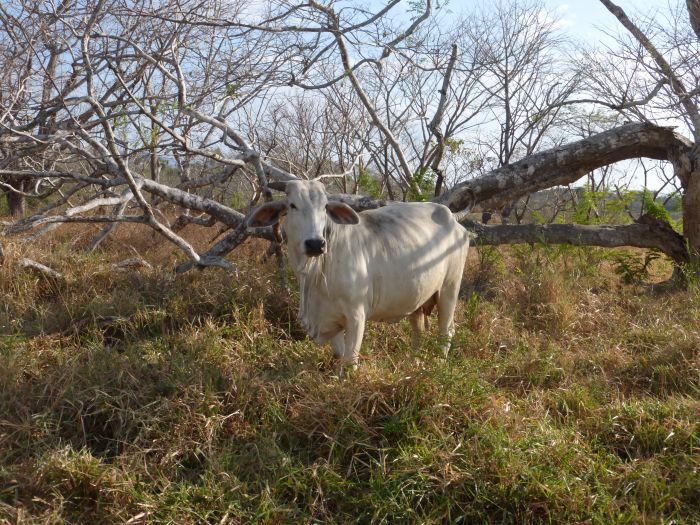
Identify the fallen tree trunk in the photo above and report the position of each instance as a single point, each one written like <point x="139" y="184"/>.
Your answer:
<point x="566" y="164"/>
<point x="648" y="232"/>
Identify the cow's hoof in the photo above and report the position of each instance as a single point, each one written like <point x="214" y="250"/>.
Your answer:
<point x="346" y="368"/>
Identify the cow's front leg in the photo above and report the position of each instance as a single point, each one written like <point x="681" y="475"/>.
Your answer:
<point x="338" y="345"/>
<point x="354" y="331"/>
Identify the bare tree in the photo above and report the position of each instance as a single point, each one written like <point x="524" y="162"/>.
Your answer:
<point x="216" y="92"/>
<point x="527" y="82"/>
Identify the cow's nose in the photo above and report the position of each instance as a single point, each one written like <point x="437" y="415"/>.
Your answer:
<point x="314" y="246"/>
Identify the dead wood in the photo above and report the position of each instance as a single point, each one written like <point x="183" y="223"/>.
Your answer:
<point x="648" y="233"/>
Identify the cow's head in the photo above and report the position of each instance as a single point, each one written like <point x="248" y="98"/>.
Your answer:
<point x="307" y="209"/>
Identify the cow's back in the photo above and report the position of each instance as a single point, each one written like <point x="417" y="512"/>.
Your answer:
<point x="411" y="250"/>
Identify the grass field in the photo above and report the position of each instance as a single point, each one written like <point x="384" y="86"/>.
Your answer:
<point x="140" y="396"/>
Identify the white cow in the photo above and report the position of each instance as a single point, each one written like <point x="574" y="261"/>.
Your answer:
<point x="379" y="265"/>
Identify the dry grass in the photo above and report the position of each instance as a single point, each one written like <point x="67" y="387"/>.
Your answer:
<point x="140" y="395"/>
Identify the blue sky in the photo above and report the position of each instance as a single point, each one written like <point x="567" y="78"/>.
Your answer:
<point x="583" y="18"/>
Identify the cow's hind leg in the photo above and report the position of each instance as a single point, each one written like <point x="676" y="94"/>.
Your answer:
<point x="418" y="321"/>
<point x="427" y="310"/>
<point x="446" y="304"/>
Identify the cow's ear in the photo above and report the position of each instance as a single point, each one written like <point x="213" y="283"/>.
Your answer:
<point x="267" y="214"/>
<point x="342" y="213"/>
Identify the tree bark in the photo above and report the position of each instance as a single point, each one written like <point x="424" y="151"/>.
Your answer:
<point x="566" y="164"/>
<point x="694" y="15"/>
<point x="15" y="201"/>
<point x="691" y="214"/>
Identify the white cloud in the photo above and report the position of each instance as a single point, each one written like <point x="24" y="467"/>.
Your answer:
<point x="561" y="16"/>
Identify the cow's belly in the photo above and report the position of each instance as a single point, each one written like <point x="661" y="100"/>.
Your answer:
<point x="394" y="313"/>
<point x="385" y="317"/>
<point x="394" y="301"/>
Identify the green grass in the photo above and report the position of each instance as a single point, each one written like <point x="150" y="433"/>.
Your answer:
<point x="568" y="397"/>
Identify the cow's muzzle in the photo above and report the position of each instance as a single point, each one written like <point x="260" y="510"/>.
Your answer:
<point x="314" y="247"/>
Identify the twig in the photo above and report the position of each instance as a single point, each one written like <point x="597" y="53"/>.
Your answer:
<point x="41" y="268"/>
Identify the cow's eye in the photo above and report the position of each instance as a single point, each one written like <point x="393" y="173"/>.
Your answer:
<point x="292" y="206"/>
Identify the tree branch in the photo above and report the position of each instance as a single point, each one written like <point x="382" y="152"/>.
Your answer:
<point x="434" y="125"/>
<point x="674" y="80"/>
